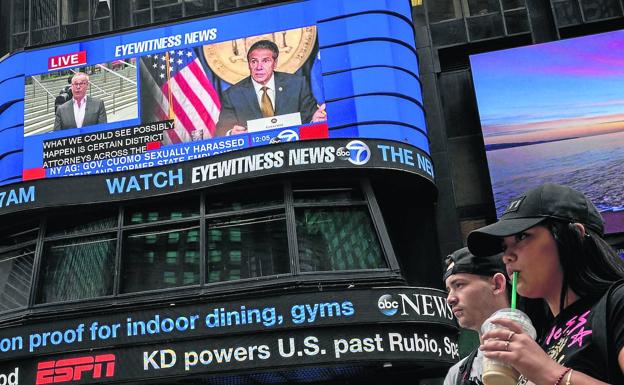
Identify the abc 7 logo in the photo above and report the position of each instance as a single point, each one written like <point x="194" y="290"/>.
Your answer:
<point x="387" y="305"/>
<point x="356" y="152"/>
<point x="285" y="136"/>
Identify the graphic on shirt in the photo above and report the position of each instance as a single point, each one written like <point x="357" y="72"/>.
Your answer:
<point x="574" y="328"/>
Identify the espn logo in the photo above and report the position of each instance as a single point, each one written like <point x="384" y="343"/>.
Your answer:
<point x="72" y="369"/>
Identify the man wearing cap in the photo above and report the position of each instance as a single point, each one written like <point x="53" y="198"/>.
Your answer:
<point x="477" y="287"/>
<point x="551" y="237"/>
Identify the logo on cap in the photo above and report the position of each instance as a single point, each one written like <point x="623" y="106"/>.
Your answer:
<point x="514" y="205"/>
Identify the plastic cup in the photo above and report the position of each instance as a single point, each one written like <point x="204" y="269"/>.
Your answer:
<point x="497" y="372"/>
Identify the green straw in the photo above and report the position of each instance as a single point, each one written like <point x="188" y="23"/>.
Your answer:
<point x="514" y="285"/>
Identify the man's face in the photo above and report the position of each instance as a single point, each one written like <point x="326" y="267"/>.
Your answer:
<point x="470" y="297"/>
<point x="261" y="65"/>
<point x="79" y="86"/>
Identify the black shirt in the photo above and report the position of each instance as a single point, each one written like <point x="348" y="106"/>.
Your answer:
<point x="569" y="338"/>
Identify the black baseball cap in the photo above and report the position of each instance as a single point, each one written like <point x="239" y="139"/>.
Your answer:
<point x="463" y="261"/>
<point x="548" y="201"/>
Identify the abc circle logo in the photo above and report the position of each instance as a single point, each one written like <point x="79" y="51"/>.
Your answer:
<point x="359" y="153"/>
<point x="387" y="305"/>
<point x="288" y="136"/>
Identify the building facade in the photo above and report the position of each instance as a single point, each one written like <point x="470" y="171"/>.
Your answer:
<point x="149" y="246"/>
<point x="317" y="260"/>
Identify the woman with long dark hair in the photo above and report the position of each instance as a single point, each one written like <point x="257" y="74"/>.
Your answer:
<point x="551" y="237"/>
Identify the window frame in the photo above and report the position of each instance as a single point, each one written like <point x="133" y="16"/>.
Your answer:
<point x="34" y="242"/>
<point x="287" y="205"/>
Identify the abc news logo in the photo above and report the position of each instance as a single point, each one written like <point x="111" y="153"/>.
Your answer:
<point x="356" y="152"/>
<point x="420" y="304"/>
<point x="74" y="369"/>
<point x="387" y="305"/>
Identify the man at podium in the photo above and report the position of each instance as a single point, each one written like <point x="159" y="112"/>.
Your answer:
<point x="266" y="93"/>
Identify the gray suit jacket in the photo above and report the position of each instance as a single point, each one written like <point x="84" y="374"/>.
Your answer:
<point x="95" y="113"/>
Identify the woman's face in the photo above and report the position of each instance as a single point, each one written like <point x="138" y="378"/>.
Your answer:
<point x="533" y="254"/>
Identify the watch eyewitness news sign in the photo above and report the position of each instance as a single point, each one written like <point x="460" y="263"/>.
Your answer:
<point x="200" y="172"/>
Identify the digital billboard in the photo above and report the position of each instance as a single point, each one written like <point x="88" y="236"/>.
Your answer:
<point x="554" y="113"/>
<point x="371" y="326"/>
<point x="196" y="89"/>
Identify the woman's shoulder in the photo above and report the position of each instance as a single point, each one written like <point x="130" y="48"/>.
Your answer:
<point x="616" y="295"/>
<point x="618" y="288"/>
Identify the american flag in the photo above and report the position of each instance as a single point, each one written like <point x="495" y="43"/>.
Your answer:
<point x="174" y="85"/>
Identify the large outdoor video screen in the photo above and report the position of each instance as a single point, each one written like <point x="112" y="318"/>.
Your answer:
<point x="200" y="88"/>
<point x="555" y="113"/>
<point x="145" y="111"/>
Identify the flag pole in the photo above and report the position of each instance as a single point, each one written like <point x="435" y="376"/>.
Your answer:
<point x="169" y="93"/>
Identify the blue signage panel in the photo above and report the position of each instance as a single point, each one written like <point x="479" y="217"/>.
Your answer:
<point x="194" y="89"/>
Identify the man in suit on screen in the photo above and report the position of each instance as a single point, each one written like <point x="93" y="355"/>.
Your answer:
<point x="266" y="93"/>
<point x="81" y="110"/>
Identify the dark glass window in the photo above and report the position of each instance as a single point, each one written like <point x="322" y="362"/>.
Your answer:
<point x="243" y="199"/>
<point x="160" y="258"/>
<point x="440" y="10"/>
<point x="162" y="210"/>
<point x="122" y="14"/>
<point x="329" y="194"/>
<point x="167" y="12"/>
<point x="100" y="9"/>
<point x="513" y="4"/>
<point x="165" y="243"/>
<point x="141" y="4"/>
<point x="601" y="9"/>
<point x="74" y="10"/>
<point x="567" y="12"/>
<point x="77" y="268"/>
<point x="44" y="14"/>
<point x="101" y="25"/>
<point x="449" y="32"/>
<point x="159" y="3"/>
<point x="335" y="239"/>
<point x="18" y="233"/>
<point x="20" y="16"/>
<point x="44" y="35"/>
<point x="197" y="7"/>
<point x="483" y="7"/>
<point x="142" y="17"/>
<point x="17" y="253"/>
<point x="485" y="26"/>
<point x="250" y="246"/>
<point x="226" y="4"/>
<point x="517" y="21"/>
<point x="243" y="3"/>
<point x="19" y="41"/>
<point x="15" y="274"/>
<point x="73" y="221"/>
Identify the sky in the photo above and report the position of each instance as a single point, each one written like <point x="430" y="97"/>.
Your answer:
<point x="551" y="91"/>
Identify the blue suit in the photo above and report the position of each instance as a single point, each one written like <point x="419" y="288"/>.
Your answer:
<point x="239" y="103"/>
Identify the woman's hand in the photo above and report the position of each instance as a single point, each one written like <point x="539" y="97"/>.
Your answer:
<point x="512" y="346"/>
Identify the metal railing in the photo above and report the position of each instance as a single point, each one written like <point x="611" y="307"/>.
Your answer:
<point x="37" y="82"/>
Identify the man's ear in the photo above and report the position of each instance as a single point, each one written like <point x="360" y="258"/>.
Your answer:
<point x="499" y="282"/>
